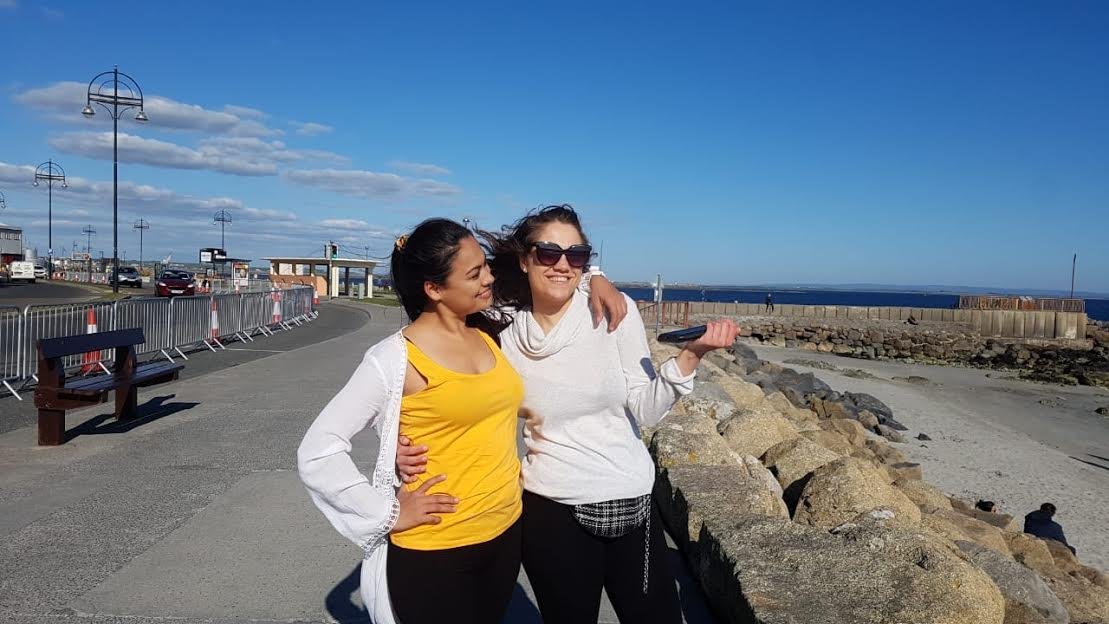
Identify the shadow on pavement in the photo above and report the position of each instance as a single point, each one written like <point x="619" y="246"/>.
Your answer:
<point x="338" y="601"/>
<point x="154" y="409"/>
<point x="521" y="610"/>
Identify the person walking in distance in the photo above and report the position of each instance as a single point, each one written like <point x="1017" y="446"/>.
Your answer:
<point x="769" y="302"/>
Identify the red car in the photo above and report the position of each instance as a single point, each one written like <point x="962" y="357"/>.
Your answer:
<point x="175" y="284"/>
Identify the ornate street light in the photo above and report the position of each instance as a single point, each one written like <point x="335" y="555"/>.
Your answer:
<point x="116" y="92"/>
<point x="3" y="204"/>
<point x="51" y="172"/>
<point x="223" y="218"/>
<point x="141" y="225"/>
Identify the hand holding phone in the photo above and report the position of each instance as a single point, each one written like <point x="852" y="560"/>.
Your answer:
<point x="683" y="335"/>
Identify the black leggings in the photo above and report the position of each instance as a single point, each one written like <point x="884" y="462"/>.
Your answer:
<point x="467" y="585"/>
<point x="567" y="567"/>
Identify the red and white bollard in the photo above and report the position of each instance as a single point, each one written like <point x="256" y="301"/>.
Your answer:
<point x="215" y="321"/>
<point x="90" y="360"/>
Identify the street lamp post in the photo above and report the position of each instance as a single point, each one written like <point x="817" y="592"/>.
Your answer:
<point x="141" y="225"/>
<point x="89" y="231"/>
<point x="51" y="172"/>
<point x="104" y="89"/>
<point x="3" y="204"/>
<point x="223" y="218"/>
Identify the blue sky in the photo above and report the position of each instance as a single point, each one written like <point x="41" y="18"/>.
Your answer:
<point x="802" y="142"/>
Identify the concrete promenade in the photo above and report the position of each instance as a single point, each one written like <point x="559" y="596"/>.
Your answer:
<point x="197" y="514"/>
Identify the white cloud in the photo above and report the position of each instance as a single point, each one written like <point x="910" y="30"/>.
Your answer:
<point x="49" y="13"/>
<point x="64" y="101"/>
<point x="179" y="223"/>
<point x="9" y="4"/>
<point x="311" y="128"/>
<point x="370" y="184"/>
<point x="245" y="112"/>
<point x="244" y="156"/>
<point x="419" y="168"/>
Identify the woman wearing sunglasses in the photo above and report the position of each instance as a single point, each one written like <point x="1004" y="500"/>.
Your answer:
<point x="588" y="521"/>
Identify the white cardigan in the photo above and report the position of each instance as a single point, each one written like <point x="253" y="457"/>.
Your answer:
<point x="362" y="511"/>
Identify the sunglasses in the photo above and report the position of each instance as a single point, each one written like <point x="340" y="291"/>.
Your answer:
<point x="577" y="256"/>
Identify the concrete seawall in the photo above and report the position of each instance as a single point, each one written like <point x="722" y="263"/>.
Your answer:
<point x="1043" y="325"/>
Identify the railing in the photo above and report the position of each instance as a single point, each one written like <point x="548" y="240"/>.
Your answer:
<point x="171" y="326"/>
<point x="667" y="312"/>
<point x="982" y="302"/>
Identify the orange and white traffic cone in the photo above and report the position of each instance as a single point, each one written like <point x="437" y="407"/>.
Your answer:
<point x="215" y="321"/>
<point x="90" y="360"/>
<point x="277" y="307"/>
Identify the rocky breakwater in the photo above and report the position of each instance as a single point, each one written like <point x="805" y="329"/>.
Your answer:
<point x="793" y="505"/>
<point x="1084" y="362"/>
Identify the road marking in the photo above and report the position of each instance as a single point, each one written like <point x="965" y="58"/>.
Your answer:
<point x="257" y="350"/>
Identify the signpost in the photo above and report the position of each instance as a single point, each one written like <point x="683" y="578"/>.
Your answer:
<point x="658" y="301"/>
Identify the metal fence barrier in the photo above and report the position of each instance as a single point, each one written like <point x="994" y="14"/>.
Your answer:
<point x="171" y="326"/>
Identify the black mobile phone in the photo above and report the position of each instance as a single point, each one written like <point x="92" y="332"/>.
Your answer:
<point x="683" y="335"/>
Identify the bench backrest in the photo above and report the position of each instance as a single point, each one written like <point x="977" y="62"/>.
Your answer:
<point x="86" y="343"/>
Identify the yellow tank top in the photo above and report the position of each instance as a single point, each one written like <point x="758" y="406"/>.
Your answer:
<point x="468" y="423"/>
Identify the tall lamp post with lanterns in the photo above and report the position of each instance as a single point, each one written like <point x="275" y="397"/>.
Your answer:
<point x="50" y="172"/>
<point x="116" y="92"/>
<point x="223" y="218"/>
<point x="141" y="225"/>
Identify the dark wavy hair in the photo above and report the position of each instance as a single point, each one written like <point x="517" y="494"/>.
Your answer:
<point x="505" y="248"/>
<point x="423" y="256"/>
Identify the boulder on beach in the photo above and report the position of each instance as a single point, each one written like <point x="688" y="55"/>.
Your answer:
<point x="849" y="429"/>
<point x="681" y="420"/>
<point x="752" y="432"/>
<point x="709" y="399"/>
<point x="742" y="393"/>
<point x="973" y="529"/>
<point x="672" y="447"/>
<point x="926" y="496"/>
<point x="841" y="490"/>
<point x="835" y="579"/>
<point x="1028" y="599"/>
<point x="792" y="463"/>
<point x="831" y="440"/>
<point x="1032" y="552"/>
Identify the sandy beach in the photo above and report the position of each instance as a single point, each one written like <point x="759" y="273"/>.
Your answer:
<point x="1015" y="442"/>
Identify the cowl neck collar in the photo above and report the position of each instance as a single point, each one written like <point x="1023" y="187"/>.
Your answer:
<point x="534" y="342"/>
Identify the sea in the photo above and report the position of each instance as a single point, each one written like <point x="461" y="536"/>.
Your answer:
<point x="1097" y="309"/>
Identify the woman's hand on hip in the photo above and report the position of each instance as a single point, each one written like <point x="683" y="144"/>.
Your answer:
<point x="418" y="508"/>
<point x="411" y="460"/>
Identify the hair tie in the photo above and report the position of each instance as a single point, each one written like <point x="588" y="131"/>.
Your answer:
<point x="401" y="242"/>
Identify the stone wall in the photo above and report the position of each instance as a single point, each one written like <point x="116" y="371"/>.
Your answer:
<point x="1084" y="362"/>
<point x="1042" y="325"/>
<point x="792" y="504"/>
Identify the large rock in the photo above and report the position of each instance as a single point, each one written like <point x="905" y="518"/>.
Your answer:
<point x="672" y="447"/>
<point x="1086" y="603"/>
<point x="850" y="429"/>
<point x="885" y="453"/>
<point x="709" y="399"/>
<point x="831" y="440"/>
<point x="862" y="401"/>
<point x="975" y="530"/>
<point x="1032" y="552"/>
<point x="745" y="357"/>
<point x="926" y="496"/>
<point x="688" y="494"/>
<point x="752" y="432"/>
<point x="799" y="387"/>
<point x="1064" y="558"/>
<point x="1028" y="599"/>
<point x="689" y="423"/>
<point x="742" y="393"/>
<point x="792" y="463"/>
<point x="843" y="489"/>
<point x="773" y="572"/>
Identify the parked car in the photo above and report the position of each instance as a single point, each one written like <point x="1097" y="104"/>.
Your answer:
<point x="128" y="276"/>
<point x="40" y="272"/>
<point x="174" y="284"/>
<point x="23" y="270"/>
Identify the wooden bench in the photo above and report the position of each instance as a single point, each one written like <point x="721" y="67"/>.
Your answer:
<point x="55" y="394"/>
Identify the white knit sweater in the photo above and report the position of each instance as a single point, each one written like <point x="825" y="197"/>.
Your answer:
<point x="586" y="393"/>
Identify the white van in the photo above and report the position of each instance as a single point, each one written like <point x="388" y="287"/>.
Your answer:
<point x="23" y="271"/>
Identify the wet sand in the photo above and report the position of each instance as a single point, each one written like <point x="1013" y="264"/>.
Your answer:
<point x="1014" y="442"/>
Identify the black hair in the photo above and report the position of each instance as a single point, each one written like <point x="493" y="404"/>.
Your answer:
<point x="423" y="256"/>
<point x="984" y="505"/>
<point x="505" y="248"/>
<point x="1048" y="509"/>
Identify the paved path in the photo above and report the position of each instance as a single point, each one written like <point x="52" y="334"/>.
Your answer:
<point x="197" y="515"/>
<point x="44" y="292"/>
